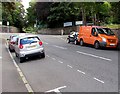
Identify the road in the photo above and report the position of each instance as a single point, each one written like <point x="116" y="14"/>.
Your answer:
<point x="66" y="68"/>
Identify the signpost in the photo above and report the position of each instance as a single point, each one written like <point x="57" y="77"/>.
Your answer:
<point x="8" y="27"/>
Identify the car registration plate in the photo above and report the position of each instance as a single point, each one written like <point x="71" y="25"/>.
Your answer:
<point x="31" y="46"/>
<point x="112" y="44"/>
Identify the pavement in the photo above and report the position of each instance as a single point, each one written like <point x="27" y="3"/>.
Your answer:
<point x="66" y="68"/>
<point x="11" y="81"/>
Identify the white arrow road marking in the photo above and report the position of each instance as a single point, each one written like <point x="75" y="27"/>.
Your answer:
<point x="59" y="47"/>
<point x="57" y="90"/>
<point x="94" y="56"/>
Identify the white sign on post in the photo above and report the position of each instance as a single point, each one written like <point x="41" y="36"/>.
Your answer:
<point x="67" y="24"/>
<point x="7" y="23"/>
<point x="0" y="23"/>
<point x="78" y="22"/>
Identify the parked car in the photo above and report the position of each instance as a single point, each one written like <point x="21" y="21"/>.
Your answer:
<point x="73" y="37"/>
<point x="11" y="42"/>
<point x="97" y="36"/>
<point x="27" y="46"/>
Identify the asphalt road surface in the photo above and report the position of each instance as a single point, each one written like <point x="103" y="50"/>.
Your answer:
<point x="66" y="68"/>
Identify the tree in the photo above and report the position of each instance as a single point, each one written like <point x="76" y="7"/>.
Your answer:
<point x="14" y="13"/>
<point x="31" y="15"/>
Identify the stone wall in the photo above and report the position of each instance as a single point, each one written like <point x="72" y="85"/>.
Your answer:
<point x="11" y="29"/>
<point x="58" y="31"/>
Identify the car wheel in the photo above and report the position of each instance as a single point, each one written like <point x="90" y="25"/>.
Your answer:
<point x="81" y="42"/>
<point x="16" y="54"/>
<point x="21" y="59"/>
<point x="10" y="49"/>
<point x="68" y="40"/>
<point x="43" y="55"/>
<point x="75" y="42"/>
<point x="97" y="45"/>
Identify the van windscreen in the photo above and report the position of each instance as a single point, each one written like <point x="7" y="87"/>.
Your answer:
<point x="106" y="31"/>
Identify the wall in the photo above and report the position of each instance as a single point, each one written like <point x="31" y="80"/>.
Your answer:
<point x="11" y="29"/>
<point x="58" y="31"/>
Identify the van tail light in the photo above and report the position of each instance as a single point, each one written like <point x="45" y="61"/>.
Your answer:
<point x="21" y="46"/>
<point x="40" y="43"/>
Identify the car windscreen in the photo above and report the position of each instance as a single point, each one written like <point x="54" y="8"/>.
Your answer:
<point x="29" y="40"/>
<point x="106" y="31"/>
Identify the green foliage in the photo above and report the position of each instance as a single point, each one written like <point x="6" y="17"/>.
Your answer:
<point x="54" y="14"/>
<point x="31" y="15"/>
<point x="14" y="13"/>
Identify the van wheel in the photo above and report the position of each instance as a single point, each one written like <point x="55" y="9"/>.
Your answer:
<point x="97" y="45"/>
<point x="75" y="42"/>
<point x="81" y="42"/>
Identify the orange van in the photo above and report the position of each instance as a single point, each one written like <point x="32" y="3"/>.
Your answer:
<point x="97" y="36"/>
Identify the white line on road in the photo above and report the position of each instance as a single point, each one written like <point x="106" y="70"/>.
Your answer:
<point x="94" y="56"/>
<point x="98" y="80"/>
<point x="59" y="47"/>
<point x="27" y="85"/>
<point x="69" y="66"/>
<point x="56" y="90"/>
<point x="45" y="42"/>
<point x="0" y="57"/>
<point x="47" y="55"/>
<point x="60" y="62"/>
<point x="81" y="71"/>
<point x="53" y="58"/>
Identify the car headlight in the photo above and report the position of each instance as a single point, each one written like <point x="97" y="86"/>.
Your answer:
<point x="104" y="39"/>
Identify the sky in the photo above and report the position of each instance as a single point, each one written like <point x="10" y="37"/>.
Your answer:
<point x="25" y="3"/>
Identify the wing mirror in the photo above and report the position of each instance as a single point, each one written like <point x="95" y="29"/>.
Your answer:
<point x="96" y="34"/>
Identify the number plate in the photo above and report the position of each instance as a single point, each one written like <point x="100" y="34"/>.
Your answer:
<point x="31" y="46"/>
<point x="112" y="44"/>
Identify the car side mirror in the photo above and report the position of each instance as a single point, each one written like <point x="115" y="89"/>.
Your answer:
<point x="96" y="34"/>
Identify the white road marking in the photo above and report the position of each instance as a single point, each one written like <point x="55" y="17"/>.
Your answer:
<point x="53" y="58"/>
<point x="0" y="57"/>
<point x="69" y="66"/>
<point x="45" y="42"/>
<point x="60" y="62"/>
<point x="27" y="85"/>
<point x="81" y="71"/>
<point x="98" y="80"/>
<point x="57" y="90"/>
<point x="47" y="55"/>
<point x="94" y="56"/>
<point x="59" y="47"/>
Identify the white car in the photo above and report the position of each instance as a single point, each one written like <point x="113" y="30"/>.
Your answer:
<point x="27" y="46"/>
